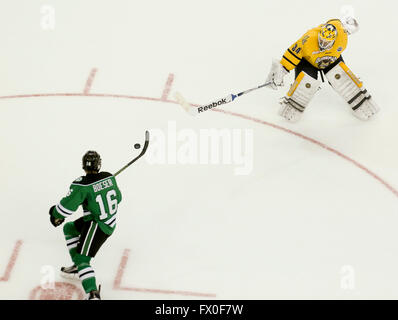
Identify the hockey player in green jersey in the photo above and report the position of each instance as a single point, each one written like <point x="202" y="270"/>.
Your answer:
<point x="98" y="194"/>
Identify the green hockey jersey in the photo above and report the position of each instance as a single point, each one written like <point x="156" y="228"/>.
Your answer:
<point x="99" y="196"/>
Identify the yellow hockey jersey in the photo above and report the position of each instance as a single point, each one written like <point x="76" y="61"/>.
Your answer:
<point x="307" y="48"/>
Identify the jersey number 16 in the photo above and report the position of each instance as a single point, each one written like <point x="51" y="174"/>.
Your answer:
<point x="112" y="204"/>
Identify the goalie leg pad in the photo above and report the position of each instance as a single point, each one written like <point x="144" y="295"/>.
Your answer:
<point x="299" y="96"/>
<point x="344" y="82"/>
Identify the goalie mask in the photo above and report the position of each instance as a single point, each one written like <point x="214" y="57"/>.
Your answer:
<point x="91" y="161"/>
<point x="327" y="36"/>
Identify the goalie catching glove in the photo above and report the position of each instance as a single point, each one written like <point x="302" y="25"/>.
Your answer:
<point x="276" y="75"/>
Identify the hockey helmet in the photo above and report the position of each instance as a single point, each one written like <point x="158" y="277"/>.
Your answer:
<point x="327" y="36"/>
<point x="91" y="161"/>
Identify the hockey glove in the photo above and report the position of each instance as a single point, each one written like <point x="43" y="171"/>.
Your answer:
<point x="350" y="24"/>
<point x="276" y="75"/>
<point x="55" y="221"/>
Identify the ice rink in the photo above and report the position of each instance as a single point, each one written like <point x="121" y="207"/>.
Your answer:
<point x="315" y="214"/>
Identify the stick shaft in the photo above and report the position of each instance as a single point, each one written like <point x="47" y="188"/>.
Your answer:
<point x="137" y="157"/>
<point x="195" y="110"/>
<point x="255" y="88"/>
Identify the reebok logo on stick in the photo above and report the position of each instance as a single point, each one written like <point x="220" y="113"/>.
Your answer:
<point x="231" y="97"/>
<point x="212" y="105"/>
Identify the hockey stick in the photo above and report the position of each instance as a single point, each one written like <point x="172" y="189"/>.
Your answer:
<point x="231" y="97"/>
<point x="137" y="157"/>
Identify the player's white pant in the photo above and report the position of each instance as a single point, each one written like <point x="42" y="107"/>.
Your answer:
<point x="299" y="96"/>
<point x="351" y="89"/>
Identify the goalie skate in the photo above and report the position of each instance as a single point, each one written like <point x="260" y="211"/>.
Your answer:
<point x="69" y="273"/>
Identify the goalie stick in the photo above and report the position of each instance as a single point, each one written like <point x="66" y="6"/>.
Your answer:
<point x="192" y="110"/>
<point x="137" y="157"/>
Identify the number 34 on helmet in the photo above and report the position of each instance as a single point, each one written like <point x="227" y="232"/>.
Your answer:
<point x="327" y="36"/>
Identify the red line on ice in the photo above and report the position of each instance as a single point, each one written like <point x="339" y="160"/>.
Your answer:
<point x="246" y="117"/>
<point x="90" y="80"/>
<point x="71" y="94"/>
<point x="119" y="276"/>
<point x="11" y="262"/>
<point x="167" y="87"/>
<point x="320" y="144"/>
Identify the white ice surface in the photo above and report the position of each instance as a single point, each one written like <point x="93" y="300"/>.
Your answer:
<point x="285" y="231"/>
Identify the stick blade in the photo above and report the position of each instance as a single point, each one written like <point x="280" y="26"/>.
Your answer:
<point x="146" y="144"/>
<point x="185" y="104"/>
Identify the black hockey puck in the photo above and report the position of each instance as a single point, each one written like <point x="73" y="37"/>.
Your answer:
<point x="137" y="146"/>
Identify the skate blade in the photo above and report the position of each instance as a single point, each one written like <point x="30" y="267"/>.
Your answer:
<point x="69" y="276"/>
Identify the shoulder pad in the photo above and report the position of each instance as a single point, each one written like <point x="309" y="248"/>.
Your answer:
<point x="80" y="179"/>
<point x="91" y="178"/>
<point x="106" y="174"/>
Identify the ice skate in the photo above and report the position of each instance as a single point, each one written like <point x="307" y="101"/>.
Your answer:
<point x="95" y="294"/>
<point x="69" y="273"/>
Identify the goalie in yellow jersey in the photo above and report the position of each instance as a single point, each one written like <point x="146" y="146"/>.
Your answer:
<point x="318" y="51"/>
